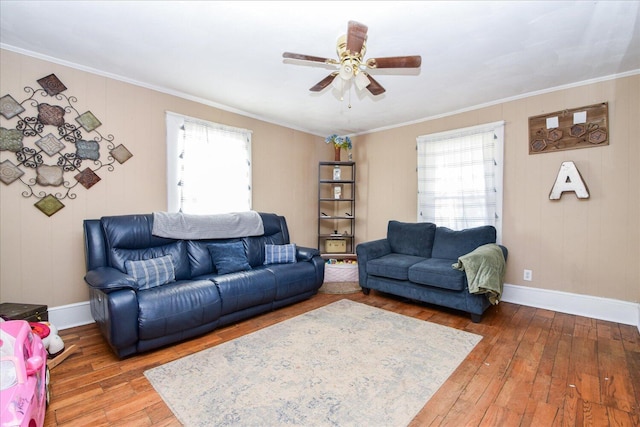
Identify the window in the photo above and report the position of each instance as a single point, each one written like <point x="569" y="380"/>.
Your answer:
<point x="208" y="166"/>
<point x="460" y="177"/>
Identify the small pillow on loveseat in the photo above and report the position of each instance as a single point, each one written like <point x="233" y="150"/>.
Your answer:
<point x="152" y="272"/>
<point x="452" y="244"/>
<point x="279" y="254"/>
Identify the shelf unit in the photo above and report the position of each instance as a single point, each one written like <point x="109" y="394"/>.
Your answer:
<point x="336" y="209"/>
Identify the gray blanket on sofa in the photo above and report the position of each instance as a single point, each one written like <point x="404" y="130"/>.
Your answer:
<point x="484" y="268"/>
<point x="218" y="226"/>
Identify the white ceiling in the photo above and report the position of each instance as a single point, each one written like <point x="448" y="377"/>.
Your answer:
<point x="229" y="54"/>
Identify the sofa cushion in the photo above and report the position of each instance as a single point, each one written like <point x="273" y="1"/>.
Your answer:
<point x="293" y="279"/>
<point x="229" y="257"/>
<point x="280" y="254"/>
<point x="199" y="256"/>
<point x="255" y="247"/>
<point x="177" y="251"/>
<point x="450" y="244"/>
<point x="245" y="289"/>
<point x="392" y="266"/>
<point x="437" y="272"/>
<point x="411" y="238"/>
<point x="153" y="272"/>
<point x="176" y="307"/>
<point x="129" y="237"/>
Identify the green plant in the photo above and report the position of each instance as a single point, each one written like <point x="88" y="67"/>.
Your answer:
<point x="339" y="141"/>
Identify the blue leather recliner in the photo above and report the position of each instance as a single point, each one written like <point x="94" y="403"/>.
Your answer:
<point x="134" y="318"/>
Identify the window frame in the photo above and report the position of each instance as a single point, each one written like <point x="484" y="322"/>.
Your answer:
<point x="498" y="156"/>
<point x="174" y="123"/>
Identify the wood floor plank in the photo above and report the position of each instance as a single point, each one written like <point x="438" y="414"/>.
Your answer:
<point x="539" y="414"/>
<point x="533" y="367"/>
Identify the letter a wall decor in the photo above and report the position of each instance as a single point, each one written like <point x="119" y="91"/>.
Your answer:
<point x="569" y="179"/>
<point x="54" y="146"/>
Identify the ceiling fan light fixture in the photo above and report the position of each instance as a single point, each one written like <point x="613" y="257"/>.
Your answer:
<point x="362" y="81"/>
<point x="338" y="84"/>
<point x="346" y="70"/>
<point x="351" y="65"/>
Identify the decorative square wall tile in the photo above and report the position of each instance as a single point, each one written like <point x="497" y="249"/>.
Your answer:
<point x="87" y="150"/>
<point x="49" y="175"/>
<point x="50" y="144"/>
<point x="52" y="85"/>
<point x="88" y="121"/>
<point x="9" y="172"/>
<point x="10" y="140"/>
<point x="49" y="205"/>
<point x="9" y="107"/>
<point x="87" y="178"/>
<point x="121" y="154"/>
<point x="51" y="115"/>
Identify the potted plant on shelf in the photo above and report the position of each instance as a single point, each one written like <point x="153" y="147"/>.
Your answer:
<point x="339" y="143"/>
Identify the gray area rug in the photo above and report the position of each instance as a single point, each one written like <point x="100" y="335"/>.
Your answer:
<point x="344" y="364"/>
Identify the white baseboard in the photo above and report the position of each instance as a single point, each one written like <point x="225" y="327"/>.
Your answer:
<point x="625" y="312"/>
<point x="68" y="316"/>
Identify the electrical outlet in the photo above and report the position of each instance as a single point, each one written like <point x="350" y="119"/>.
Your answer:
<point x="528" y="275"/>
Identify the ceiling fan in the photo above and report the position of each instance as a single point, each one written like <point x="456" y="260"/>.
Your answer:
<point x="351" y="65"/>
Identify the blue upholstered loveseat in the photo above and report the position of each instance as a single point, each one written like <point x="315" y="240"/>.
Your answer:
<point x="148" y="291"/>
<point x="416" y="261"/>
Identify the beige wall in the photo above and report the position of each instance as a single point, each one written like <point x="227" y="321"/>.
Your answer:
<point x="42" y="258"/>
<point x="587" y="247"/>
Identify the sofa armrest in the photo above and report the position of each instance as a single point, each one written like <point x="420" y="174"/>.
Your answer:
<point x="366" y="252"/>
<point x="306" y="254"/>
<point x="109" y="279"/>
<point x="373" y="249"/>
<point x="505" y="252"/>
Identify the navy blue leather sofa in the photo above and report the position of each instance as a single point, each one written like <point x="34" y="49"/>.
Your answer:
<point x="415" y="262"/>
<point x="134" y="320"/>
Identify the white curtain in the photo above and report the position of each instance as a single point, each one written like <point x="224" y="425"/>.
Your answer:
<point x="212" y="168"/>
<point x="460" y="177"/>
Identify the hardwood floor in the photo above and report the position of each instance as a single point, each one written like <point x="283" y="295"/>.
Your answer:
<point x="533" y="368"/>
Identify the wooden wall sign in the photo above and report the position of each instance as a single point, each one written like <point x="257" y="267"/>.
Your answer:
<point x="583" y="127"/>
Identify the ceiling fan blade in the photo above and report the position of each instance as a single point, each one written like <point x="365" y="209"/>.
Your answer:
<point x="374" y="87"/>
<point x="302" y="57"/>
<point x="324" y="82"/>
<point x="395" y="62"/>
<point x="356" y="36"/>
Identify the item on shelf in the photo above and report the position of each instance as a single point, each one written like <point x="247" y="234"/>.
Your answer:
<point x="339" y="142"/>
<point x="336" y="206"/>
<point x="336" y="246"/>
<point x="337" y="192"/>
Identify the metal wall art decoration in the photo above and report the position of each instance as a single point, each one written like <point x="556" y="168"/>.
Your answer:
<point x="50" y="149"/>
